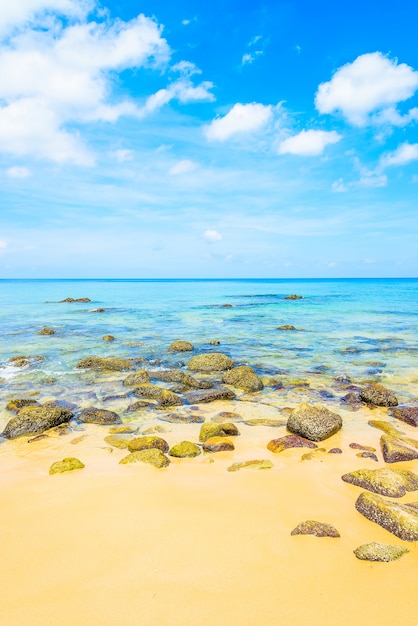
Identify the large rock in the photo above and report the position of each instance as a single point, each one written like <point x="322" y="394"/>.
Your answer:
<point x="136" y="378"/>
<point x="164" y="396"/>
<point x="408" y="414"/>
<point x="34" y="420"/>
<point x="146" y="443"/>
<point x="379" y="552"/>
<point x="196" y="397"/>
<point x="153" y="457"/>
<point x="66" y="465"/>
<point x="107" y="363"/>
<point x="314" y="422"/>
<point x="211" y="429"/>
<point x="387" y="482"/>
<point x="377" y="394"/>
<point x="243" y="377"/>
<point x="211" y="362"/>
<point x="289" y="441"/>
<point x="395" y="449"/>
<point x="399" y="519"/>
<point x="185" y="449"/>
<point x="319" y="529"/>
<point x="181" y="346"/>
<point x="98" y="416"/>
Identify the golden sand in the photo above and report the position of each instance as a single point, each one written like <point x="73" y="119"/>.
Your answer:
<point x="195" y="544"/>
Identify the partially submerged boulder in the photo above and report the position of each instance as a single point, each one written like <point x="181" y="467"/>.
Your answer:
<point x="286" y="327"/>
<point x="136" y="378"/>
<point x="243" y="377"/>
<point x="181" y="346"/>
<point x="108" y="338"/>
<point x="211" y="429"/>
<point x="319" y="529"/>
<point x="66" y="465"/>
<point x="46" y="331"/>
<point x="293" y="296"/>
<point x="211" y="362"/>
<point x="153" y="457"/>
<point x="386" y="482"/>
<point x="185" y="449"/>
<point x="108" y="363"/>
<point x="75" y="300"/>
<point x="379" y="552"/>
<point x="98" y="416"/>
<point x="378" y="395"/>
<point x="289" y="441"/>
<point x="34" y="420"/>
<point x="164" y="396"/>
<point x="314" y="422"/>
<point x="178" y="376"/>
<point x="395" y="449"/>
<point x="399" y="519"/>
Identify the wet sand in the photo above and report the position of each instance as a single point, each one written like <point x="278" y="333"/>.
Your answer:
<point x="195" y="544"/>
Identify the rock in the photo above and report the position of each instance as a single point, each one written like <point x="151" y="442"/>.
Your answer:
<point x="153" y="457"/>
<point x="181" y="419"/>
<point x="309" y="456"/>
<point x="379" y="552"/>
<point x="214" y="342"/>
<point x="181" y="346"/>
<point x="99" y="310"/>
<point x="197" y="397"/>
<point x="212" y="362"/>
<point x="164" y="397"/>
<point x="319" y="529"/>
<point x="289" y="441"/>
<point x="146" y="443"/>
<point x="386" y="427"/>
<point x="178" y="376"/>
<point x="377" y="394"/>
<point x="367" y="455"/>
<point x="243" y="377"/>
<point x="60" y="404"/>
<point x="98" y="416"/>
<point x="399" y="519"/>
<point x="386" y="482"/>
<point x="395" y="449"/>
<point x="314" y="423"/>
<point x="118" y="441"/>
<point x="46" y="331"/>
<point x="34" y="420"/>
<point x="226" y="416"/>
<point x="75" y="300"/>
<point x="265" y="421"/>
<point x="343" y="378"/>
<point x="359" y="446"/>
<point x="218" y="444"/>
<point x="185" y="449"/>
<point x="408" y="414"/>
<point x="136" y="378"/>
<point x="261" y="465"/>
<point x="19" y="403"/>
<point x="335" y="451"/>
<point x="23" y="361"/>
<point x="107" y="363"/>
<point x="190" y="381"/>
<point x="139" y="405"/>
<point x="108" y="338"/>
<point x="351" y="398"/>
<point x="124" y="429"/>
<point x="211" y="429"/>
<point x="293" y="296"/>
<point x="286" y="327"/>
<point x="66" y="465"/>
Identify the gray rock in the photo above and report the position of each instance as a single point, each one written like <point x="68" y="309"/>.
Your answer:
<point x="243" y="377"/>
<point x="377" y="394"/>
<point x="34" y="420"/>
<point x="314" y="423"/>
<point x="98" y="416"/>
<point x="408" y="414"/>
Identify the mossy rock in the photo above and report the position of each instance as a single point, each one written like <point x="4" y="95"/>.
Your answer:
<point x="254" y="464"/>
<point x="399" y="519"/>
<point x="19" y="403"/>
<point x="293" y="296"/>
<point x="289" y="441"/>
<point x="124" y="429"/>
<point x="378" y="395"/>
<point x="387" y="482"/>
<point x="314" y="422"/>
<point x="108" y="338"/>
<point x="152" y="456"/>
<point x="211" y="429"/>
<point x="243" y="377"/>
<point x="114" y="364"/>
<point x="164" y="397"/>
<point x="35" y="420"/>
<point x="147" y="443"/>
<point x="379" y="552"/>
<point x="181" y="346"/>
<point x="211" y="362"/>
<point x="395" y="449"/>
<point x="99" y="416"/>
<point x="286" y="327"/>
<point x="66" y="465"/>
<point x="46" y="331"/>
<point x="182" y="419"/>
<point x="319" y="529"/>
<point x="185" y="449"/>
<point x="218" y="444"/>
<point x="136" y="378"/>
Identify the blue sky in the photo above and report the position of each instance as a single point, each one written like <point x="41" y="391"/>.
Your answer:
<point x="237" y="139"/>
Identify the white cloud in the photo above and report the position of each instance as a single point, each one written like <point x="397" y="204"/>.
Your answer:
<point x="182" y="167"/>
<point x="372" y="180"/>
<point x="242" y="118"/>
<point x="182" y="90"/>
<point x="372" y="83"/>
<point x="404" y="154"/>
<point x="250" y="57"/>
<point x="211" y="236"/>
<point x="3" y="244"/>
<point x="18" y="172"/>
<point x="309" y="142"/>
<point x="15" y="13"/>
<point x="122" y="156"/>
<point x="339" y="186"/>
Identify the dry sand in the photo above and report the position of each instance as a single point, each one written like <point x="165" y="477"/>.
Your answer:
<point x="194" y="544"/>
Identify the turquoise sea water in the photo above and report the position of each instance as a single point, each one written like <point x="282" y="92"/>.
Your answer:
<point x="364" y="328"/>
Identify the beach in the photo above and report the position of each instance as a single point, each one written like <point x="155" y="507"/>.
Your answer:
<point x="195" y="542"/>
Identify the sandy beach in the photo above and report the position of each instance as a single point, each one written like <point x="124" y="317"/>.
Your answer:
<point x="193" y="543"/>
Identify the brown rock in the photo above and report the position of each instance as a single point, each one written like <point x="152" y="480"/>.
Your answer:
<point x="164" y="396"/>
<point x="218" y="444"/>
<point x="211" y="429"/>
<point x="146" y="443"/>
<point x="211" y="362"/>
<point x="181" y="346"/>
<point x="107" y="363"/>
<point x="46" y="331"/>
<point x="314" y="423"/>
<point x="289" y="441"/>
<point x="395" y="449"/>
<point x="408" y="414"/>
<point x="378" y="395"/>
<point x="136" y="378"/>
<point x="393" y="483"/>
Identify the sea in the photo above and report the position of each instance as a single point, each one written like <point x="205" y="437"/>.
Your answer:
<point x="352" y="330"/>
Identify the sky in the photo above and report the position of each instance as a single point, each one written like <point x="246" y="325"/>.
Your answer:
<point x="229" y="139"/>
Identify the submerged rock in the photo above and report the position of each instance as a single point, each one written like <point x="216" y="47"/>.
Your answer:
<point x="118" y="441"/>
<point x="139" y="405"/>
<point x="182" y="419"/>
<point x="108" y="338"/>
<point x="289" y="441"/>
<point x="185" y="449"/>
<point x="34" y="420"/>
<point x="359" y="446"/>
<point x="379" y="552"/>
<point x="399" y="519"/>
<point x="226" y="416"/>
<point x="197" y="397"/>
<point x="256" y="464"/>
<point x="164" y="397"/>
<point x="46" y="331"/>
<point x="286" y="327"/>
<point x="98" y="416"/>
<point x="23" y="361"/>
<point x="136" y="378"/>
<point x="66" y="465"/>
<point x="146" y="443"/>
<point x="181" y="346"/>
<point x="153" y="457"/>
<point x="265" y="421"/>
<point x="386" y="482"/>
<point x="408" y="414"/>
<point x="314" y="423"/>
<point x="211" y="429"/>
<point x="218" y="444"/>
<point x="377" y="394"/>
<point x="243" y="377"/>
<point x="211" y="362"/>
<point x="319" y="529"/>
<point x="395" y="449"/>
<point x="108" y="363"/>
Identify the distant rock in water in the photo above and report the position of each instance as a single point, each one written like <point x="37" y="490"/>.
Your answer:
<point x="293" y="296"/>
<point x="377" y="394"/>
<point x="46" y="331"/>
<point x="211" y="362"/>
<point x="286" y="327"/>
<point x="107" y="363"/>
<point x="75" y="300"/>
<point x="181" y="346"/>
<point x="108" y="338"/>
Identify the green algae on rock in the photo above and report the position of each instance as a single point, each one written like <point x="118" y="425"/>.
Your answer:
<point x="98" y="416"/>
<point x="147" y="443"/>
<point x="115" y="364"/>
<point x="395" y="449"/>
<point x="181" y="346"/>
<point x="152" y="456"/>
<point x="254" y="464"/>
<point x="243" y="377"/>
<point x="314" y="422"/>
<point x="185" y="449"/>
<point x="399" y="519"/>
<point x="212" y="429"/>
<point x="34" y="420"/>
<point x="319" y="529"/>
<point x="164" y="396"/>
<point x="75" y="300"/>
<point x="289" y="441"/>
<point x="218" y="444"/>
<point x="108" y="338"/>
<point x="46" y="331"/>
<point x="264" y="421"/>
<point x="394" y="483"/>
<point x="379" y="552"/>
<point x="286" y="327"/>
<point x="377" y="394"/>
<point x="136" y="378"/>
<point x="66" y="465"/>
<point x="19" y="403"/>
<point x="211" y="362"/>
<point x="293" y="296"/>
